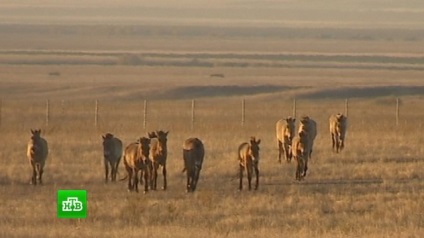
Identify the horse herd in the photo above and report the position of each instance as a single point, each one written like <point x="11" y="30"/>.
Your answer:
<point x="143" y="158"/>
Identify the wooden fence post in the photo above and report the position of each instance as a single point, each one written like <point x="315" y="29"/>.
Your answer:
<point x="145" y="114"/>
<point x="192" y="114"/>
<point x="96" y="112"/>
<point x="62" y="107"/>
<point x="346" y="107"/>
<point x="1" y="105"/>
<point x="397" y="111"/>
<point x="243" y="111"/>
<point x="47" y="112"/>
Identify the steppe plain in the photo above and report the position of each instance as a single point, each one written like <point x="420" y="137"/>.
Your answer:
<point x="58" y="60"/>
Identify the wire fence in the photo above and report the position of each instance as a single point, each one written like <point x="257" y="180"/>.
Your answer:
<point x="204" y="113"/>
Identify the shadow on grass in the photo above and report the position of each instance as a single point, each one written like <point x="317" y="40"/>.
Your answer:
<point x="190" y="92"/>
<point x="364" y="92"/>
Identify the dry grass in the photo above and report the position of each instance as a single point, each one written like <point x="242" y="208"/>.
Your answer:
<point x="372" y="189"/>
<point x="125" y="52"/>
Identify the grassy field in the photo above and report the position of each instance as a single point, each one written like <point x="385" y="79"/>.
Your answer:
<point x="372" y="189"/>
<point x="63" y="58"/>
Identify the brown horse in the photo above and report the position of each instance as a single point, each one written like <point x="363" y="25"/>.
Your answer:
<point x="300" y="151"/>
<point x="285" y="130"/>
<point x="193" y="154"/>
<point x="136" y="158"/>
<point x="112" y="154"/>
<point x="248" y="156"/>
<point x="309" y="127"/>
<point x="158" y="154"/>
<point x="37" y="151"/>
<point x="338" y="125"/>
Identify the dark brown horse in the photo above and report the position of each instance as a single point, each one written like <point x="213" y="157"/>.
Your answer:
<point x="136" y="158"/>
<point x="112" y="154"/>
<point x="158" y="154"/>
<point x="193" y="154"/>
<point x="37" y="151"/>
<point x="248" y="156"/>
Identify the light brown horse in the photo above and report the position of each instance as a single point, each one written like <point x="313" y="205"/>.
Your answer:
<point x="338" y="125"/>
<point x="193" y="154"/>
<point x="112" y="154"/>
<point x="300" y="151"/>
<point x="285" y="131"/>
<point x="158" y="154"/>
<point x="248" y="156"/>
<point x="37" y="151"/>
<point x="136" y="158"/>
<point x="309" y="127"/>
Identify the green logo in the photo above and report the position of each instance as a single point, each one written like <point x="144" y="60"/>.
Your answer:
<point x="71" y="203"/>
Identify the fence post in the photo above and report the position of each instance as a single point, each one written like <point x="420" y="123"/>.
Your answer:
<point x="243" y="111"/>
<point x="47" y="112"/>
<point x="346" y="107"/>
<point x="145" y="114"/>
<point x="1" y="105"/>
<point x="294" y="107"/>
<point x="62" y="107"/>
<point x="192" y="113"/>
<point x="397" y="111"/>
<point x="96" y="112"/>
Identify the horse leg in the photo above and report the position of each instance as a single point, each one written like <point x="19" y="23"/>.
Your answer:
<point x="249" y="176"/>
<point x="164" y="177"/>
<point x="287" y="153"/>
<point x="113" y="172"/>
<point x="106" y="170"/>
<point x="149" y="167"/>
<point x="188" y="187"/>
<point x="305" y="168"/>
<point x="196" y="176"/>
<point x="130" y="178"/>
<point x="241" y="177"/>
<point x="34" y="174"/>
<point x="40" y="172"/>
<point x="155" y="176"/>
<point x="298" y="169"/>
<point x="337" y="143"/>
<point x="257" y="177"/>
<point x="135" y="176"/>
<point x="280" y="149"/>
<point x="146" y="181"/>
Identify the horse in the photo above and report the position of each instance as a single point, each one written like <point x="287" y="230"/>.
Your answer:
<point x="248" y="156"/>
<point x="338" y="125"/>
<point x="112" y="154"/>
<point x="285" y="130"/>
<point x="37" y="152"/>
<point x="136" y="158"/>
<point x="158" y="154"/>
<point x="193" y="155"/>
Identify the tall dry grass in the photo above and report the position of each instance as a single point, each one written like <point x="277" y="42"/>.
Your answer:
<point x="372" y="189"/>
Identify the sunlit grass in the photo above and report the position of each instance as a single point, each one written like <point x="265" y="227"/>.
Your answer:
<point x="373" y="185"/>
